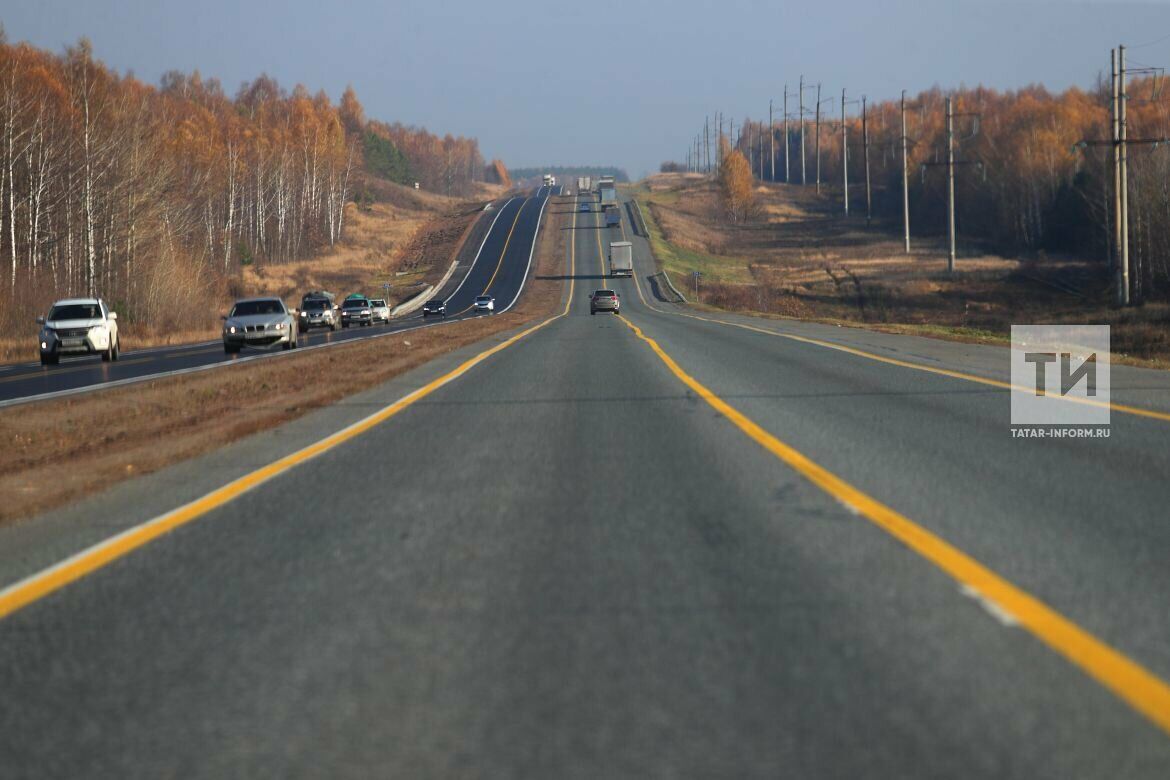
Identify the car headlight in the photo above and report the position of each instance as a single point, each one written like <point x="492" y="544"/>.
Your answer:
<point x="230" y="328"/>
<point x="280" y="326"/>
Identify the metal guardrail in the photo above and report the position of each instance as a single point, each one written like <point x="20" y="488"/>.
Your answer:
<point x="640" y="228"/>
<point x="681" y="298"/>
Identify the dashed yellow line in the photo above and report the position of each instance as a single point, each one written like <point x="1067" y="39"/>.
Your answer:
<point x="1142" y="690"/>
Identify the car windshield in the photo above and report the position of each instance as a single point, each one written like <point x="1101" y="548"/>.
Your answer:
<point x="482" y="299"/>
<point x="252" y="308"/>
<point x="604" y="293"/>
<point x="76" y="311"/>
<point x="356" y="303"/>
<point x="434" y="303"/>
<point x="378" y="302"/>
<point x="319" y="304"/>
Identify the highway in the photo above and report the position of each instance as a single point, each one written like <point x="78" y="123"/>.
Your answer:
<point x="667" y="544"/>
<point x="493" y="265"/>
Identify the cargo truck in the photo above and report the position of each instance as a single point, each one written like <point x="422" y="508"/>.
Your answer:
<point x="584" y="184"/>
<point x="621" y="258"/>
<point x="613" y="217"/>
<point x="608" y="191"/>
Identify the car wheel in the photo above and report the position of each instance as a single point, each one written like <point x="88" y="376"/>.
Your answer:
<point x="50" y="360"/>
<point x="117" y="350"/>
<point x="230" y="350"/>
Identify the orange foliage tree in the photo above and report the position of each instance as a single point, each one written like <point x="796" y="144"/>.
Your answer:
<point x="735" y="186"/>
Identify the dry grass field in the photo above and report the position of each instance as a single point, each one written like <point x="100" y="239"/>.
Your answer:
<point x="800" y="258"/>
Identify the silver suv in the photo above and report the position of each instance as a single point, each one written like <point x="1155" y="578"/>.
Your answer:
<point x="78" y="326"/>
<point x="605" y="300"/>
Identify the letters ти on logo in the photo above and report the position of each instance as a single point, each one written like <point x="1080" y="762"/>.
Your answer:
<point x="1066" y="367"/>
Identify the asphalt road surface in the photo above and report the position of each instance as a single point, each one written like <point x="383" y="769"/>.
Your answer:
<point x="580" y="559"/>
<point x="484" y="270"/>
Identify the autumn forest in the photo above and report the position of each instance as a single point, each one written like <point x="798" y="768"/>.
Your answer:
<point x="150" y="196"/>
<point x="1033" y="175"/>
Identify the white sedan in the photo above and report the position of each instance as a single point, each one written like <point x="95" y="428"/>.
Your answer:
<point x="484" y="303"/>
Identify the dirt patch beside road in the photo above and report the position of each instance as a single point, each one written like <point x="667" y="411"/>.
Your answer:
<point x="59" y="451"/>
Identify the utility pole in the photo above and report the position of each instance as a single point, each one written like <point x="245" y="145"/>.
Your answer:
<point x="771" y="140"/>
<point x="950" y="186"/>
<point x="844" y="153"/>
<point x="719" y="139"/>
<point x="706" y="145"/>
<point x="760" y="148"/>
<point x="1115" y="137"/>
<point x="1122" y="134"/>
<point x="905" y="181"/>
<point x="865" y="147"/>
<point x="803" y="172"/>
<point x="787" y="178"/>
<point x="818" y="138"/>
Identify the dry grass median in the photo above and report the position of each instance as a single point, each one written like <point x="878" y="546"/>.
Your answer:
<point x="59" y="451"/>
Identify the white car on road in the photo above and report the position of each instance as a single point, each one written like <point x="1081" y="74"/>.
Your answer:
<point x="379" y="310"/>
<point x="484" y="303"/>
<point x="78" y="326"/>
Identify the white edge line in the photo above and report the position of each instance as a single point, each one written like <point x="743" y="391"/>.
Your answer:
<point x="535" y="234"/>
<point x="163" y="518"/>
<point x="133" y="380"/>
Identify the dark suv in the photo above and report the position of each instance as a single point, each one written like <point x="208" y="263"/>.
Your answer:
<point x="435" y="306"/>
<point x="317" y="313"/>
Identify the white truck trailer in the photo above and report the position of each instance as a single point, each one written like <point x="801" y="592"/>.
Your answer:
<point x="584" y="184"/>
<point x="621" y="258"/>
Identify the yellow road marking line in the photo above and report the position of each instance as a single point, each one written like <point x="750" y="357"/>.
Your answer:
<point x="1134" y="410"/>
<point x="1131" y="682"/>
<point x="503" y="252"/>
<point x="37" y="586"/>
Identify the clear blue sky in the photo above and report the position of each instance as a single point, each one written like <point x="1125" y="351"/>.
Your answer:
<point x="598" y="81"/>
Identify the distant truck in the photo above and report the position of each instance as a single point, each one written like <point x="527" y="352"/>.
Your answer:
<point x="607" y="190"/>
<point x="549" y="180"/>
<point x="584" y="184"/>
<point x="613" y="217"/>
<point x="621" y="258"/>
